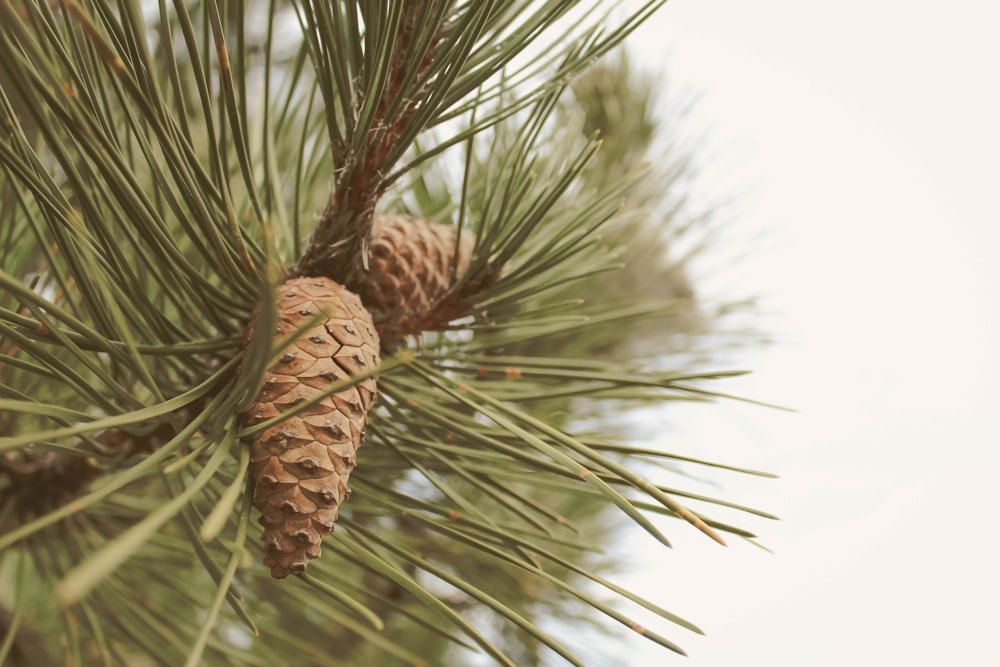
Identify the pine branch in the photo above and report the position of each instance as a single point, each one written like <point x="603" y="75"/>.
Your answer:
<point x="148" y="203"/>
<point x="389" y="88"/>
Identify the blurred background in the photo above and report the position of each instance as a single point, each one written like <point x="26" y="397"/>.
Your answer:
<point x="860" y="144"/>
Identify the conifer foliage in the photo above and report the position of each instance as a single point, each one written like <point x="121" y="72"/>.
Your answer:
<point x="238" y="240"/>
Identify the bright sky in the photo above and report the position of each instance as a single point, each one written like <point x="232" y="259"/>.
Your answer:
<point x="863" y="139"/>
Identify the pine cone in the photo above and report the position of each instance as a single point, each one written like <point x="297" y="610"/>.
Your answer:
<point x="409" y="283"/>
<point x="37" y="482"/>
<point x="301" y="465"/>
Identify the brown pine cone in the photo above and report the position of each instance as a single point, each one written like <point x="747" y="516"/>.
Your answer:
<point x="301" y="465"/>
<point x="409" y="283"/>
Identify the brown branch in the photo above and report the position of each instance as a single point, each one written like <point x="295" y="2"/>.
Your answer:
<point x="339" y="247"/>
<point x="28" y="648"/>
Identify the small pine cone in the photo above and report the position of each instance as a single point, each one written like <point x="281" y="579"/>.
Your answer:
<point x="301" y="465"/>
<point x="34" y="483"/>
<point x="410" y="275"/>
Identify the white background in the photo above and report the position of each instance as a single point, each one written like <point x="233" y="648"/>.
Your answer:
<point x="862" y="139"/>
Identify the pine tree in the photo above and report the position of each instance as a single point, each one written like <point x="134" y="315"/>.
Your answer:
<point x="440" y="360"/>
